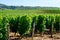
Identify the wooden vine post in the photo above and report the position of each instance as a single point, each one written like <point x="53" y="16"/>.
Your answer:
<point x="52" y="30"/>
<point x="33" y="29"/>
<point x="59" y="29"/>
<point x="8" y="28"/>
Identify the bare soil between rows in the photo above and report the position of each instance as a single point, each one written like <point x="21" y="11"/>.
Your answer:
<point x="36" y="37"/>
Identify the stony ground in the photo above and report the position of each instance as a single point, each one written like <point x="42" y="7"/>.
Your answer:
<point x="38" y="37"/>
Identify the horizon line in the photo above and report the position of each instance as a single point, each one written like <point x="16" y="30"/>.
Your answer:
<point x="29" y="5"/>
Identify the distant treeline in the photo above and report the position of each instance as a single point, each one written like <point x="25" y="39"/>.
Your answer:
<point x="3" y="6"/>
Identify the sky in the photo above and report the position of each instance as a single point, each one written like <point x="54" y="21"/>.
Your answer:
<point x="42" y="3"/>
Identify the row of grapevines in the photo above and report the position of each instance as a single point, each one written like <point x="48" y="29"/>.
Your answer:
<point x="23" y="24"/>
<point x="20" y="25"/>
<point x="3" y="28"/>
<point x="41" y="22"/>
<point x="57" y="24"/>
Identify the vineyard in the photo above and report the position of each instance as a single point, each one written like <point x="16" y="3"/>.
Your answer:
<point x="28" y="23"/>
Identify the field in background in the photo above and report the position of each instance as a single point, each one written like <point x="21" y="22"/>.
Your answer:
<point x="31" y="13"/>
